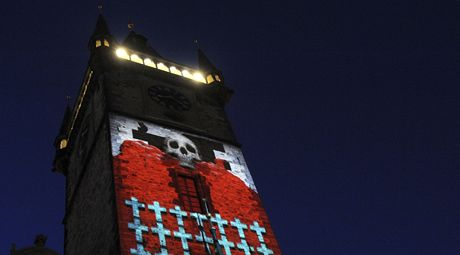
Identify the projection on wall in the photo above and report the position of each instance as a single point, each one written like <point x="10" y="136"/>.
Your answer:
<point x="173" y="188"/>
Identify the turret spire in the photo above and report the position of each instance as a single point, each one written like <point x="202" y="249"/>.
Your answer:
<point x="61" y="143"/>
<point x="205" y="65"/>
<point x="101" y="35"/>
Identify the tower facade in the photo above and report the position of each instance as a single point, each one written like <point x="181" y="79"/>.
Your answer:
<point x="151" y="163"/>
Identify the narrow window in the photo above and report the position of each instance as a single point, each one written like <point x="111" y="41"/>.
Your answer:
<point x="188" y="193"/>
<point x="98" y="43"/>
<point x="106" y="43"/>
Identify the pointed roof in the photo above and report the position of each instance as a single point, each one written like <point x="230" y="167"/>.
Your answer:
<point x="101" y="27"/>
<point x="205" y="64"/>
<point x="64" y="126"/>
<point x="65" y="121"/>
<point x="101" y="31"/>
<point x="140" y="43"/>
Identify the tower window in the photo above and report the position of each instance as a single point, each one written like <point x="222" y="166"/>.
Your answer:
<point x="163" y="67"/>
<point x="217" y="78"/>
<point x="197" y="76"/>
<point x="106" y="43"/>
<point x="174" y="70"/>
<point x="137" y="59"/>
<point x="187" y="74"/>
<point x="98" y="43"/>
<point x="149" y="62"/>
<point x="188" y="193"/>
<point x="121" y="53"/>
<point x="209" y="78"/>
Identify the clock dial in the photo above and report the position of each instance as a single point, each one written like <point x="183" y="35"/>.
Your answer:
<point x="170" y="98"/>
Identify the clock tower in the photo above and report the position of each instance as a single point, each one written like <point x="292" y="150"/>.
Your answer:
<point x="151" y="162"/>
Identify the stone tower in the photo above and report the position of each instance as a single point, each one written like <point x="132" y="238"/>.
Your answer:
<point x="151" y="163"/>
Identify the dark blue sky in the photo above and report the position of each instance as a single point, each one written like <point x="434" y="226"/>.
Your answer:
<point x="348" y="112"/>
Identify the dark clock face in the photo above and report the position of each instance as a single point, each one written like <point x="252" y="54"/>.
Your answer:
<point x="170" y="98"/>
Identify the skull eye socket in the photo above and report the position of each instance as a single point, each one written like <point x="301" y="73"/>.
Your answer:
<point x="190" y="148"/>
<point x="173" y="144"/>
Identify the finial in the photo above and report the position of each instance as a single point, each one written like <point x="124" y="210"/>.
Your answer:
<point x="197" y="44"/>
<point x="68" y="98"/>
<point x="40" y="240"/>
<point x="100" y="6"/>
<point x="131" y="25"/>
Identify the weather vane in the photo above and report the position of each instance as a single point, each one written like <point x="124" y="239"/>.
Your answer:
<point x="197" y="44"/>
<point x="68" y="98"/>
<point x="131" y="25"/>
<point x="100" y="6"/>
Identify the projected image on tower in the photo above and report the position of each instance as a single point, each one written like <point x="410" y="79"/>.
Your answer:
<point x="173" y="188"/>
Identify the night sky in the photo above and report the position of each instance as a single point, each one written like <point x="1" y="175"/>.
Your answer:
<point x="348" y="112"/>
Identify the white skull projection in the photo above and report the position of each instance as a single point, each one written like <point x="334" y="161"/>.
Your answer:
<point x="183" y="148"/>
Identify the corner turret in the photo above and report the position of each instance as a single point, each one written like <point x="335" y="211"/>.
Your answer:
<point x="101" y="37"/>
<point x="213" y="75"/>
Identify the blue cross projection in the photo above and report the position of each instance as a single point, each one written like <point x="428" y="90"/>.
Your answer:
<point x="263" y="249"/>
<point x="181" y="233"/>
<point x="223" y="237"/>
<point x="200" y="218"/>
<point x="159" y="229"/>
<point x="137" y="226"/>
<point x="244" y="244"/>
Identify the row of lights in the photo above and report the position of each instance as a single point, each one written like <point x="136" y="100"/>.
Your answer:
<point x="193" y="75"/>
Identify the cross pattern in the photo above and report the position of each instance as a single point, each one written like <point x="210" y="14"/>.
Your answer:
<point x="134" y="203"/>
<point x="159" y="229"/>
<point x="138" y="229"/>
<point x="137" y="226"/>
<point x="263" y="249"/>
<point x="181" y="234"/>
<point x="162" y="232"/>
<point x="139" y="251"/>
<point x="199" y="219"/>
<point x="244" y="244"/>
<point x="221" y="223"/>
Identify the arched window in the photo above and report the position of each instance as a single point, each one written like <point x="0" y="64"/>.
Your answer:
<point x="121" y="53"/>
<point x="163" y="67"/>
<point x="199" y="77"/>
<point x="149" y="62"/>
<point x="137" y="59"/>
<point x="187" y="74"/>
<point x="174" y="70"/>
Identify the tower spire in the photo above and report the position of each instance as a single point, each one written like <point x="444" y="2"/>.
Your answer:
<point x="213" y="74"/>
<point x="100" y="7"/>
<point x="101" y="35"/>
